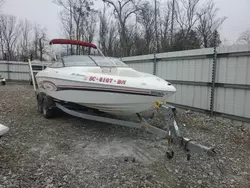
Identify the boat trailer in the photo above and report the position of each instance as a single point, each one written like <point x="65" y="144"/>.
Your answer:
<point x="47" y="105"/>
<point x="171" y="132"/>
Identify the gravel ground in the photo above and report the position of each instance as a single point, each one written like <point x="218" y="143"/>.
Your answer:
<point x="71" y="152"/>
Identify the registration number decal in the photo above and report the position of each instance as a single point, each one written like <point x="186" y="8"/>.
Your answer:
<point x="101" y="79"/>
<point x="106" y="80"/>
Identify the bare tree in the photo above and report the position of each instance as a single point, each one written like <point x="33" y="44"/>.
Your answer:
<point x="166" y="34"/>
<point x="183" y="24"/>
<point x="10" y="33"/>
<point x="66" y="17"/>
<point x="2" y="3"/>
<point x="36" y="33"/>
<point x="145" y="17"/>
<point x="26" y="29"/>
<point x="186" y="16"/>
<point x="15" y="38"/>
<point x="40" y="42"/>
<point x="2" y="43"/>
<point x="88" y="28"/>
<point x="73" y="16"/>
<point x="208" y="23"/>
<point x="43" y="43"/>
<point x="244" y="37"/>
<point x="122" y="10"/>
<point x="1" y="34"/>
<point x="172" y="21"/>
<point x="113" y="44"/>
<point x="67" y="23"/>
<point x="107" y="34"/>
<point x="103" y="31"/>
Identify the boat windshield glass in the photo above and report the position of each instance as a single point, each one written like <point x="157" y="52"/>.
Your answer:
<point x="107" y="61"/>
<point x="82" y="56"/>
<point x="92" y="60"/>
<point x="118" y="62"/>
<point x="78" y="60"/>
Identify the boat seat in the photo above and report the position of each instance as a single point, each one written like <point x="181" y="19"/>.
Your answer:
<point x="109" y="71"/>
<point x="129" y="73"/>
<point x="95" y="70"/>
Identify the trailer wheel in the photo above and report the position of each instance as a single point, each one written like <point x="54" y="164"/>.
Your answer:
<point x="47" y="107"/>
<point x="3" y="83"/>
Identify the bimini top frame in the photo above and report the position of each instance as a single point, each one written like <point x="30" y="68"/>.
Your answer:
<point x="85" y="44"/>
<point x="73" y="42"/>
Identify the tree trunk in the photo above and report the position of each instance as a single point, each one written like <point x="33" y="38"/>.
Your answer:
<point x="205" y="41"/>
<point x="41" y="49"/>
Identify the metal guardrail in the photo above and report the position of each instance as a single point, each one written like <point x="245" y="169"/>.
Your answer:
<point x="220" y="114"/>
<point x="223" y="85"/>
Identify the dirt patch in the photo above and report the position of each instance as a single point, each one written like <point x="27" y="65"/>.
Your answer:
<point x="71" y="152"/>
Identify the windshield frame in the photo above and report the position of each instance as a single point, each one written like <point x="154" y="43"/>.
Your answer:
<point x="93" y="53"/>
<point x="110" y="62"/>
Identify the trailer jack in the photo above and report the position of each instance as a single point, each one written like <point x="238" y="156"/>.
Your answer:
<point x="175" y="137"/>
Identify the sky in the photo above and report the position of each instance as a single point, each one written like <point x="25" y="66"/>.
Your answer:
<point x="45" y="13"/>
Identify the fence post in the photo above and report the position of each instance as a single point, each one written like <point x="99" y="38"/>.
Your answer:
<point x="8" y="69"/>
<point x="154" y="67"/>
<point x="213" y="75"/>
<point x="155" y="59"/>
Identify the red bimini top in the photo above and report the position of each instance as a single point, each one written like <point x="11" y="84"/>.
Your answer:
<point x="73" y="42"/>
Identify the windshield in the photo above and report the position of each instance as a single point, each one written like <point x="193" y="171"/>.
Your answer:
<point x="78" y="60"/>
<point x="86" y="57"/>
<point x="91" y="60"/>
<point x="118" y="62"/>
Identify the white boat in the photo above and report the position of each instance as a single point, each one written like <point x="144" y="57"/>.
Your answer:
<point x="3" y="130"/>
<point x="102" y="83"/>
<point x="2" y="80"/>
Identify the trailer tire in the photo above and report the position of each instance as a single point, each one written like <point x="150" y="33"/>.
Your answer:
<point x="3" y="83"/>
<point x="40" y="103"/>
<point x="47" y="107"/>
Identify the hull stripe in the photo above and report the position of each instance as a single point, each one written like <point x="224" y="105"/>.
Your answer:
<point x="106" y="91"/>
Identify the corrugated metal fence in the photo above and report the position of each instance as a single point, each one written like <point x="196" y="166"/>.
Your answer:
<point x="191" y="72"/>
<point x="12" y="70"/>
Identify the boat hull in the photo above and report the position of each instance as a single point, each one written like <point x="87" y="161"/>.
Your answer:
<point x="113" y="100"/>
